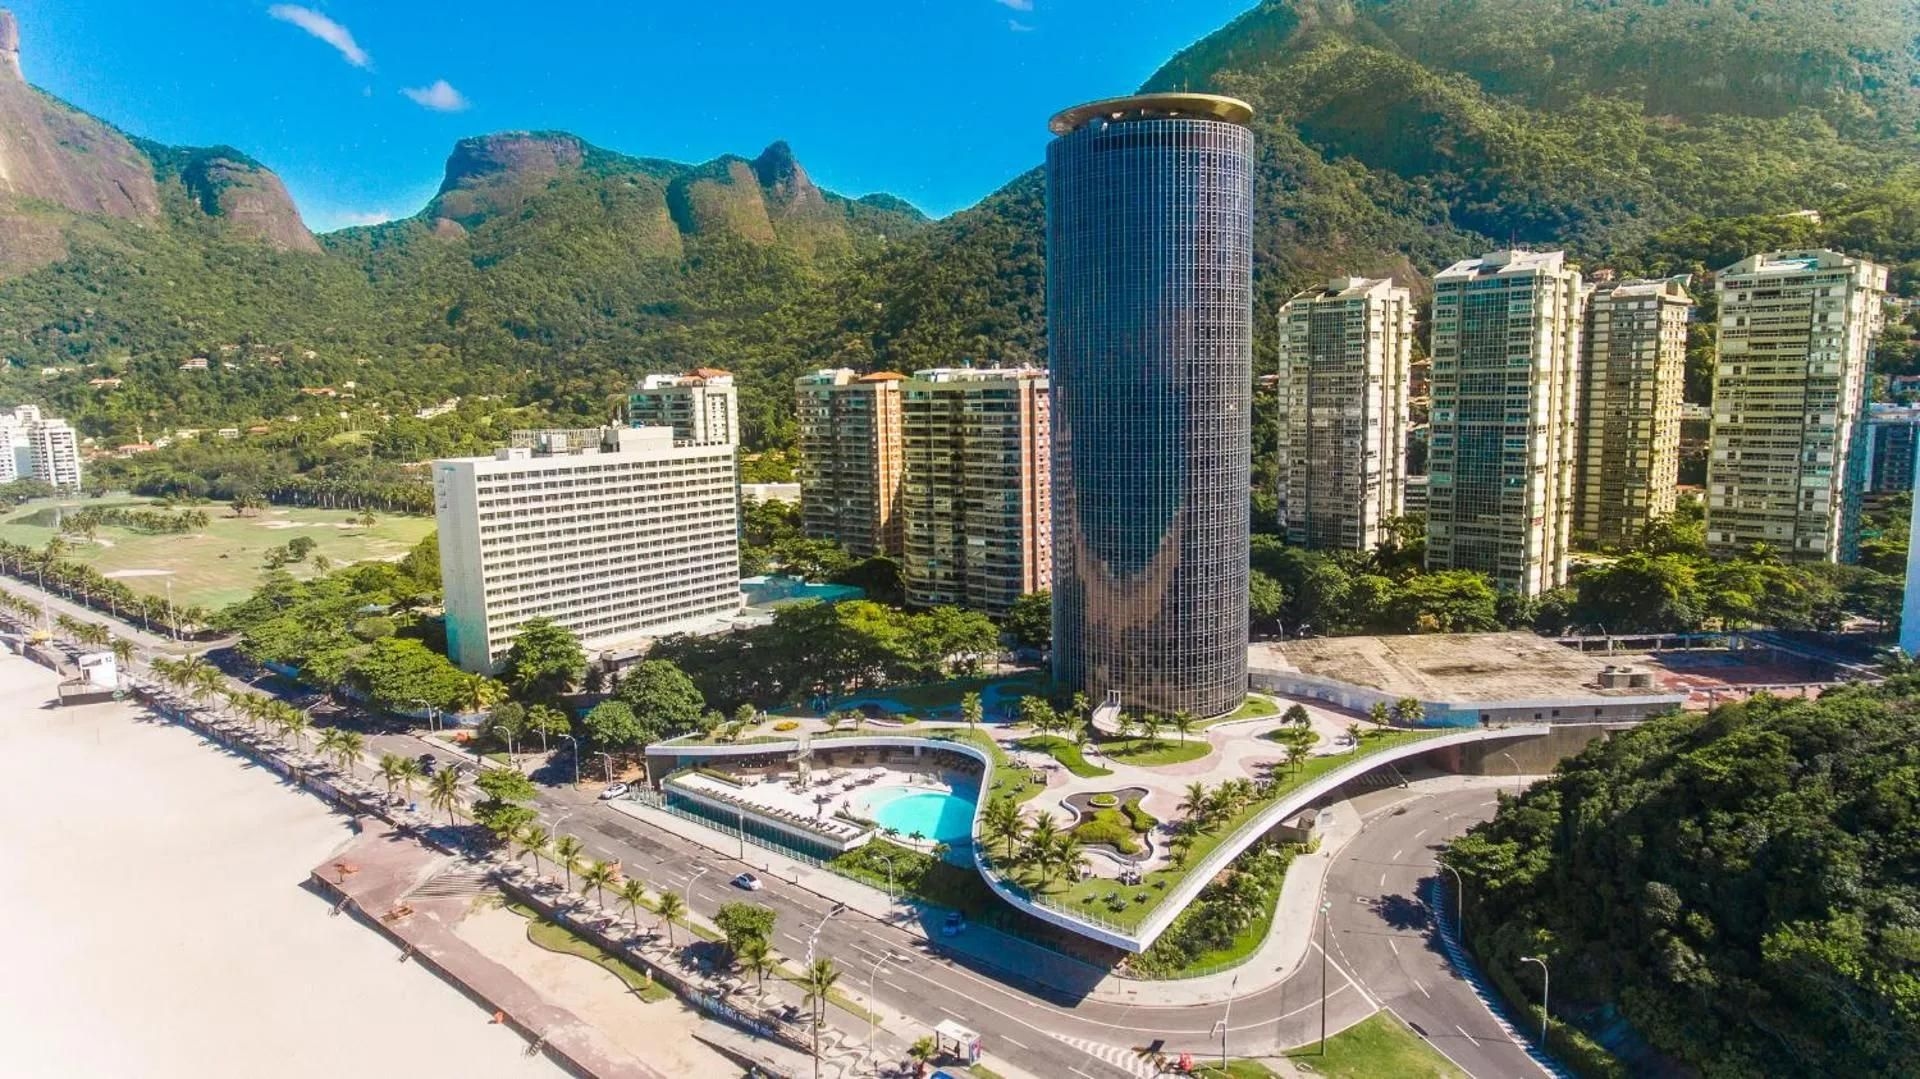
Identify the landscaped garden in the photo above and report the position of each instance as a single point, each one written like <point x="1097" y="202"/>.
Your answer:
<point x="1113" y="819"/>
<point x="1067" y="752"/>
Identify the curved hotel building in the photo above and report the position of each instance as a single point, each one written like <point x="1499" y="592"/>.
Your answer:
<point x="1149" y="341"/>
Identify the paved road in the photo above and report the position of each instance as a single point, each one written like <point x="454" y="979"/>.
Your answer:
<point x="1371" y="890"/>
<point x="1385" y="933"/>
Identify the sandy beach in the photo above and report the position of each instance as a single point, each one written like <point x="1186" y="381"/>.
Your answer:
<point x="155" y="923"/>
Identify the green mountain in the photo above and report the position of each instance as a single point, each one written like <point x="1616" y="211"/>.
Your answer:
<point x="1394" y="137"/>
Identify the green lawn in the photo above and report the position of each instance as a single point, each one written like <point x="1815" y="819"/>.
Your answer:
<point x="1009" y="779"/>
<point x="1136" y="901"/>
<point x="220" y="564"/>
<point x="558" y="938"/>
<point x="1148" y="753"/>
<point x="1238" y="1069"/>
<point x="1066" y="752"/>
<point x="1379" y="1045"/>
<point x="1252" y="708"/>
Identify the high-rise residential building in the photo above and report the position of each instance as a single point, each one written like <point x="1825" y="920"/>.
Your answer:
<point x="34" y="446"/>
<point x="1506" y="360"/>
<point x="1888" y="450"/>
<point x="1631" y="384"/>
<point x="1797" y="333"/>
<point x="851" y="459"/>
<point x="1149" y="345"/>
<point x="978" y="491"/>
<point x="615" y="533"/>
<point x="1346" y="352"/>
<point x="701" y="406"/>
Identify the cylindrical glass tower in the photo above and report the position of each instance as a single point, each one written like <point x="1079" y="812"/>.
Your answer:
<point x="1149" y="338"/>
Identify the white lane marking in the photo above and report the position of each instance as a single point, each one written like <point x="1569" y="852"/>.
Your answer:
<point x="1383" y="880"/>
<point x="898" y="988"/>
<point x="1394" y="946"/>
<point x="951" y="1012"/>
<point x="1420" y="834"/>
<point x="1398" y="853"/>
<point x="1309" y="1007"/>
<point x="1464" y="1034"/>
<point x="1013" y="1041"/>
<point x="1422" y="988"/>
<point x="1077" y="1071"/>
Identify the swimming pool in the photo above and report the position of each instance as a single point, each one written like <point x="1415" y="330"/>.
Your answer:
<point x="939" y="816"/>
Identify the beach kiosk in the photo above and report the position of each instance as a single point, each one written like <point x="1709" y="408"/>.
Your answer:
<point x="951" y="1037"/>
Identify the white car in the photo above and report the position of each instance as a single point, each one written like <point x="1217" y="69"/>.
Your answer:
<point x="617" y="790"/>
<point x="748" y="881"/>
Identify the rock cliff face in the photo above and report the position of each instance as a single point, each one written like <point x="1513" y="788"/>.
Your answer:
<point x="57" y="162"/>
<point x="496" y="174"/>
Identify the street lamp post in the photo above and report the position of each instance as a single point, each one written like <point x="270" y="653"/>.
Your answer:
<point x="576" y="758"/>
<point x="1325" y="917"/>
<point x="173" y="617"/>
<point x="814" y="937"/>
<point x="871" y="975"/>
<point x="686" y="894"/>
<point x="1226" y="1021"/>
<point x="607" y="758"/>
<point x="1459" y="899"/>
<point x="888" y="862"/>
<point x="1546" y="987"/>
<point x="1518" y="786"/>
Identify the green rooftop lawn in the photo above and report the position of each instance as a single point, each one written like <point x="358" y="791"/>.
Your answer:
<point x="1253" y="708"/>
<point x="1066" y="752"/>
<point x="1152" y="752"/>
<point x="219" y="564"/>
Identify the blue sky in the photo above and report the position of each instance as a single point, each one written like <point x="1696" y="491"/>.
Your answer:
<point x="356" y="102"/>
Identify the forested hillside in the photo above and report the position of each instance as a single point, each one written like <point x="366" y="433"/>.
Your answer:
<point x="1394" y="137"/>
<point x="1743" y="889"/>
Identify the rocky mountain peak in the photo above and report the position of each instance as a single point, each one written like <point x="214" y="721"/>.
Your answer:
<point x="786" y="183"/>
<point x="9" y="47"/>
<point x="518" y="155"/>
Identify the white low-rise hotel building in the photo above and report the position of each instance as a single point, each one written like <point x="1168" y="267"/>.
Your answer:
<point x="616" y="533"/>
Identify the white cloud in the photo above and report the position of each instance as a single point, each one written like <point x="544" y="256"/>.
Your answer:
<point x="1018" y="5"/>
<point x="325" y="29"/>
<point x="440" y="97"/>
<point x="1018" y="27"/>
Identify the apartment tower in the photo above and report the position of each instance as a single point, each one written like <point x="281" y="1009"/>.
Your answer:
<point x="615" y="533"/>
<point x="851" y="459"/>
<point x="1345" y="355"/>
<point x="1797" y="333"/>
<point x="978" y="493"/>
<point x="1506" y="356"/>
<point x="1630" y="389"/>
<point x="34" y="446"/>
<point x="1149" y="345"/>
<point x="701" y="406"/>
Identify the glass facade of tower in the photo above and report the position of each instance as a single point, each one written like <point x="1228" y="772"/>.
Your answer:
<point x="1149" y="338"/>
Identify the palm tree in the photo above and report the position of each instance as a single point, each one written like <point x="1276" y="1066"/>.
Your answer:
<point x="1295" y="754"/>
<point x="671" y="906"/>
<point x="122" y="650"/>
<point x="1197" y="803"/>
<point x="1002" y="822"/>
<point x="1378" y="713"/>
<point x="1298" y="715"/>
<point x="1183" y="722"/>
<point x="347" y="747"/>
<point x="1408" y="712"/>
<point x="295" y="725"/>
<point x="444" y="792"/>
<point x="756" y="957"/>
<point x="1353" y="735"/>
<point x="477" y="693"/>
<point x="1150" y="724"/>
<point x="971" y="710"/>
<point x="819" y="982"/>
<point x="921" y="1052"/>
<point x="567" y="851"/>
<point x="1040" y="840"/>
<point x="1067" y="856"/>
<point x="533" y="840"/>
<point x="390" y="772"/>
<point x="599" y="874"/>
<point x="1081" y="707"/>
<point x="409" y="773"/>
<point x="634" y="895"/>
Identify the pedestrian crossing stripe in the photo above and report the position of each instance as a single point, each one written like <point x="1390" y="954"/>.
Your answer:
<point x="1126" y="1060"/>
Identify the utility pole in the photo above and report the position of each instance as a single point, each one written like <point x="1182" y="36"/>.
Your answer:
<point x="1226" y="1021"/>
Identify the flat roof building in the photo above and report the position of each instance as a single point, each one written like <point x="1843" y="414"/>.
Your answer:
<point x="1888" y="450"/>
<point x="1346" y="351"/>
<point x="1506" y="359"/>
<point x="851" y="459"/>
<point x="702" y="406"/>
<point x="36" y="446"/>
<point x="1150" y="350"/>
<point x="614" y="533"/>
<point x="977" y="496"/>
<point x="1797" y="333"/>
<point x="1631" y="383"/>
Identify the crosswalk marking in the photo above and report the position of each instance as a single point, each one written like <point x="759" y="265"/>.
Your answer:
<point x="1124" y="1059"/>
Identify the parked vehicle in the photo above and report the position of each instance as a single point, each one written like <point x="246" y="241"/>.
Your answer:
<point x="617" y="790"/>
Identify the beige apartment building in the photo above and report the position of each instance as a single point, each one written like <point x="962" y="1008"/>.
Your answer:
<point x="1630" y="389"/>
<point x="851" y="459"/>
<point x="1346" y="352"/>
<point x="615" y="533"/>
<point x="702" y="406"/>
<point x="1501" y="459"/>
<point x="977" y="500"/>
<point x="1797" y="333"/>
